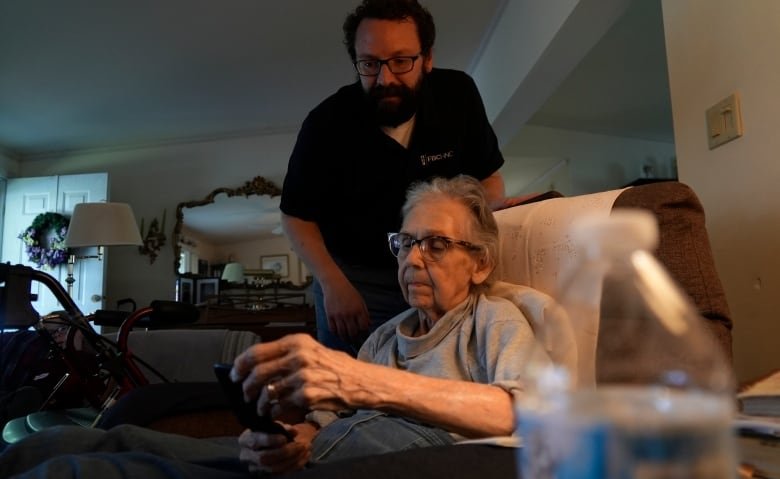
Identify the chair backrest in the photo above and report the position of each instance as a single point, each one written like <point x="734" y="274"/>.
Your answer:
<point x="536" y="251"/>
<point x="535" y="248"/>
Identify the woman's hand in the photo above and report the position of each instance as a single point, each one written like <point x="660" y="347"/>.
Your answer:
<point x="273" y="453"/>
<point x="297" y="371"/>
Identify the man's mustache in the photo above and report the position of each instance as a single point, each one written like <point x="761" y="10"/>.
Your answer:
<point x="380" y="91"/>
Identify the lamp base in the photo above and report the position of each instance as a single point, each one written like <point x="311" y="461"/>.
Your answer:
<point x="70" y="279"/>
<point x="72" y="263"/>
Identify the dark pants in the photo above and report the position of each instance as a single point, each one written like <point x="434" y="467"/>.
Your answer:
<point x="380" y="291"/>
<point x="132" y="452"/>
<point x="122" y="452"/>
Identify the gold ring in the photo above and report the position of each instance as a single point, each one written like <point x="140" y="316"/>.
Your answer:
<point x="271" y="390"/>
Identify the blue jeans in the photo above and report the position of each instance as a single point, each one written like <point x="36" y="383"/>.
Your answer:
<point x="370" y="432"/>
<point x="383" y="298"/>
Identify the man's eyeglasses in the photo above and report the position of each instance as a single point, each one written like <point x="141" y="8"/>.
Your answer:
<point x="432" y="248"/>
<point x="396" y="65"/>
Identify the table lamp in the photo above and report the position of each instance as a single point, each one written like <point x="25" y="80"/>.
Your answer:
<point x="99" y="224"/>
<point x="233" y="273"/>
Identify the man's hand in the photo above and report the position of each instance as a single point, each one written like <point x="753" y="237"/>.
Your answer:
<point x="346" y="310"/>
<point x="344" y="307"/>
<point x="273" y="453"/>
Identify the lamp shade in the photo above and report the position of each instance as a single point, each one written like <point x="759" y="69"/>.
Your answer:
<point x="102" y="224"/>
<point x="233" y="273"/>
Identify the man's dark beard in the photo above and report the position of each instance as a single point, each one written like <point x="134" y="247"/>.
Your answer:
<point x="397" y="112"/>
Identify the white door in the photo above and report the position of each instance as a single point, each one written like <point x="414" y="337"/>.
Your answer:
<point x="28" y="197"/>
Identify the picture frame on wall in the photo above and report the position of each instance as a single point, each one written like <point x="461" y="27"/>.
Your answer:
<point x="279" y="264"/>
<point x="206" y="288"/>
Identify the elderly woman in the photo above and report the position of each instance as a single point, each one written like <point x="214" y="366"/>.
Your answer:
<point x="443" y="370"/>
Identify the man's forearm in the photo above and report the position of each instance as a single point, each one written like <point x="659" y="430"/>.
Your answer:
<point x="307" y="241"/>
<point x="494" y="190"/>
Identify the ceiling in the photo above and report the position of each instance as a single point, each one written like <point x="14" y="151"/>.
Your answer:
<point x="621" y="87"/>
<point x="234" y="219"/>
<point x="81" y="74"/>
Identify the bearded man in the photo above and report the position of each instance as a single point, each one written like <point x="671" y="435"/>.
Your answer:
<point x="358" y="152"/>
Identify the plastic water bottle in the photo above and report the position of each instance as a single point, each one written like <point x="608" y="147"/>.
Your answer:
<point x="653" y="395"/>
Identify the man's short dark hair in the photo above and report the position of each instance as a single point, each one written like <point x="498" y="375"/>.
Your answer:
<point x="391" y="10"/>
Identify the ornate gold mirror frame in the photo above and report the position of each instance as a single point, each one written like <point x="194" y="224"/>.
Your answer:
<point x="258" y="186"/>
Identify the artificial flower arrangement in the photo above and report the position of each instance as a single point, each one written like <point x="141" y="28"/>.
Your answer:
<point x="44" y="240"/>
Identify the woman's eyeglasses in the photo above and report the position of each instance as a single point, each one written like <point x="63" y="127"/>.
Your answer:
<point x="432" y="248"/>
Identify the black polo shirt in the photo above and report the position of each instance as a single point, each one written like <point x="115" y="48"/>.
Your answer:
<point x="351" y="179"/>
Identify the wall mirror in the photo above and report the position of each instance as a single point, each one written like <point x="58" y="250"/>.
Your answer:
<point x="233" y="225"/>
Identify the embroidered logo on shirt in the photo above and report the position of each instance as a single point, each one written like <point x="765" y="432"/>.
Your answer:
<point x="428" y="159"/>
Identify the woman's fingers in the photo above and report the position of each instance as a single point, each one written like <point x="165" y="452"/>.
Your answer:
<point x="269" y="402"/>
<point x="259" y="440"/>
<point x="293" y="371"/>
<point x="256" y="354"/>
<point x="262" y="362"/>
<point x="272" y="453"/>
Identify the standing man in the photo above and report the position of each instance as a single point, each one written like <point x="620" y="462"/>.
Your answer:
<point x="360" y="149"/>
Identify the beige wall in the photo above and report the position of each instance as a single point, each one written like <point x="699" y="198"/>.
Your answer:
<point x="716" y="47"/>
<point x="592" y="162"/>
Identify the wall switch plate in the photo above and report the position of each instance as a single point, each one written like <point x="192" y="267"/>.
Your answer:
<point x="724" y="121"/>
